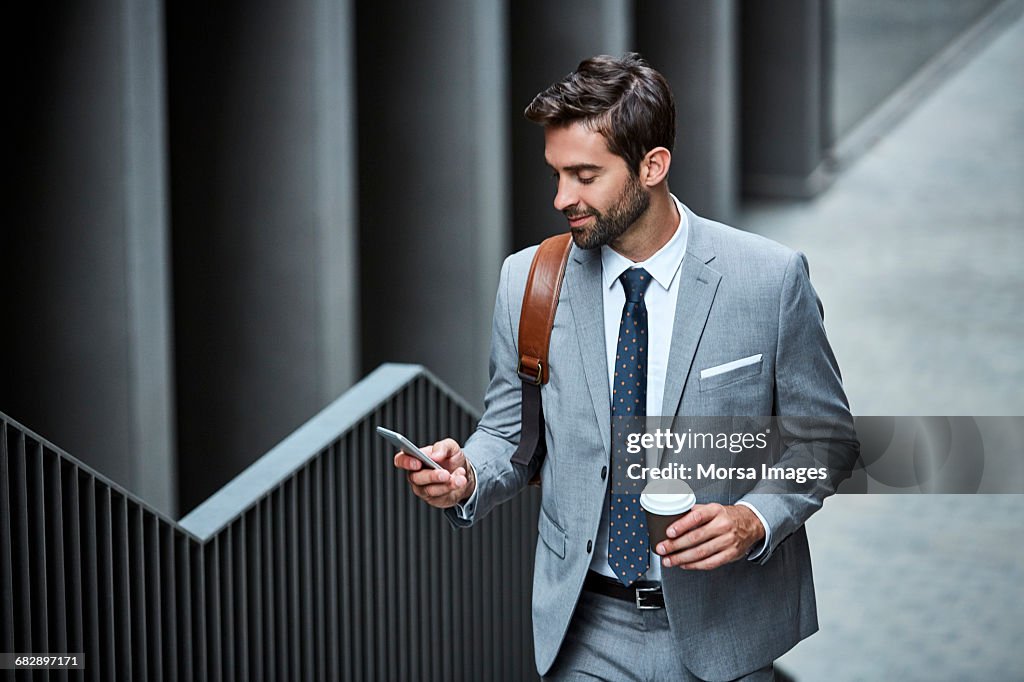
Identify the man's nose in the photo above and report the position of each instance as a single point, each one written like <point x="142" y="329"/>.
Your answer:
<point x="564" y="198"/>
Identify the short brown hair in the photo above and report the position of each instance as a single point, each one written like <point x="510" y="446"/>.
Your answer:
<point x="625" y="100"/>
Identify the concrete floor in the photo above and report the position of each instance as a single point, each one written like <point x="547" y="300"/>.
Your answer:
<point x="915" y="252"/>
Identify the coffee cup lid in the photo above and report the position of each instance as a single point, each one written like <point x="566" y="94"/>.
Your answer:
<point x="665" y="504"/>
<point x="667" y="497"/>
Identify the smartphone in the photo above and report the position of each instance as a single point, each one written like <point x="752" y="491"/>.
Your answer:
<point x="405" y="445"/>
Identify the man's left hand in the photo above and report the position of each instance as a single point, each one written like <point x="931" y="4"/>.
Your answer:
<point x="710" y="535"/>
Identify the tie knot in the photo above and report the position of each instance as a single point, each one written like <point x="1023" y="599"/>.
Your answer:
<point x="635" y="282"/>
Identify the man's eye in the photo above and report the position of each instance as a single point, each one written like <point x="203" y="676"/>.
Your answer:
<point x="586" y="180"/>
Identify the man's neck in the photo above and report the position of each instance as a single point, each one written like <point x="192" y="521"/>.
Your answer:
<point x="652" y="231"/>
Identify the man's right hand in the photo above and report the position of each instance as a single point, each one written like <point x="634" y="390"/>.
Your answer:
<point x="441" y="489"/>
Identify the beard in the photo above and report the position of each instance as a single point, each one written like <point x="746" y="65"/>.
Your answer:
<point x="632" y="203"/>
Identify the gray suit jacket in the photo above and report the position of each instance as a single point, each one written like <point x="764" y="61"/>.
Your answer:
<point x="740" y="295"/>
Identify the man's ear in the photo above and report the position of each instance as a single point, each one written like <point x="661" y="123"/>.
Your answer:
<point x="654" y="166"/>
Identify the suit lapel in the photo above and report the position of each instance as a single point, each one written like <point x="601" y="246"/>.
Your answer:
<point x="698" y="285"/>
<point x="587" y="305"/>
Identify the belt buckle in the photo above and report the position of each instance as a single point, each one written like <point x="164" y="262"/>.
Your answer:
<point x="640" y="603"/>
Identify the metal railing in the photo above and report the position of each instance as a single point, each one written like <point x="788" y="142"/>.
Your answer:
<point x="314" y="563"/>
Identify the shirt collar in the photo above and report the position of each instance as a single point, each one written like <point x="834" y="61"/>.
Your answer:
<point x="662" y="266"/>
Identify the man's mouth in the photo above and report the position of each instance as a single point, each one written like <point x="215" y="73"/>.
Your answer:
<point x="578" y="221"/>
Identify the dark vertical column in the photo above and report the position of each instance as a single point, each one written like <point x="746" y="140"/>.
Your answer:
<point x="84" y="266"/>
<point x="783" y="135"/>
<point x="693" y="44"/>
<point x="432" y="167"/>
<point x="264" y="234"/>
<point x="548" y="40"/>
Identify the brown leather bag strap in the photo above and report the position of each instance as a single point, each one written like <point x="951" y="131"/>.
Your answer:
<point x="535" y="321"/>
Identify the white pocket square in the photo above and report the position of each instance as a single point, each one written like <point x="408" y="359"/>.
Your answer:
<point x="729" y="366"/>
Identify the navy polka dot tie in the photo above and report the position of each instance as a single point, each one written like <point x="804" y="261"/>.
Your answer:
<point x="627" y="527"/>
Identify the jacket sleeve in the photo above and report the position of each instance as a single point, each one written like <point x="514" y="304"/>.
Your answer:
<point x="496" y="438"/>
<point x="813" y="413"/>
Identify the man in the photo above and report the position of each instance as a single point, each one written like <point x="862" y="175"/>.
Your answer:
<point x="734" y="328"/>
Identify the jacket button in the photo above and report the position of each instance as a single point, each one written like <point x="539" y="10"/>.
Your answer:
<point x="590" y="546"/>
<point x="604" y="473"/>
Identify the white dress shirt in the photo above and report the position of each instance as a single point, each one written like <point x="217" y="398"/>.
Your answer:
<point x="664" y="267"/>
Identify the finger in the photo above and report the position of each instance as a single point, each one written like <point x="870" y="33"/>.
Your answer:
<point x="407" y="462"/>
<point x="458" y="478"/>
<point x="693" y="538"/>
<point x="714" y="561"/>
<point x="435" y="491"/>
<point x="428" y="476"/>
<point x="698" y="553"/>
<point x="442" y="450"/>
<point x="716" y="526"/>
<point x="454" y="486"/>
<point x="698" y="516"/>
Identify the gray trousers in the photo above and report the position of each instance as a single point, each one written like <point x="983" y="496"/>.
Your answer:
<point x="610" y="639"/>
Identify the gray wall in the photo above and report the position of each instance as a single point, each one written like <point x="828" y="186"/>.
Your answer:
<point x="811" y="70"/>
<point x="879" y="44"/>
<point x="264" y="225"/>
<point x="783" y="116"/>
<point x="87" y="320"/>
<point x="433" y="190"/>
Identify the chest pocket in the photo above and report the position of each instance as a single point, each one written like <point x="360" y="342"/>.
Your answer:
<point x="731" y="372"/>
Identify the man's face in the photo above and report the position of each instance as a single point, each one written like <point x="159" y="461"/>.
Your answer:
<point x="596" y="191"/>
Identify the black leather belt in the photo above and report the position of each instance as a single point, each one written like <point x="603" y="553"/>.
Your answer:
<point x="644" y="595"/>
